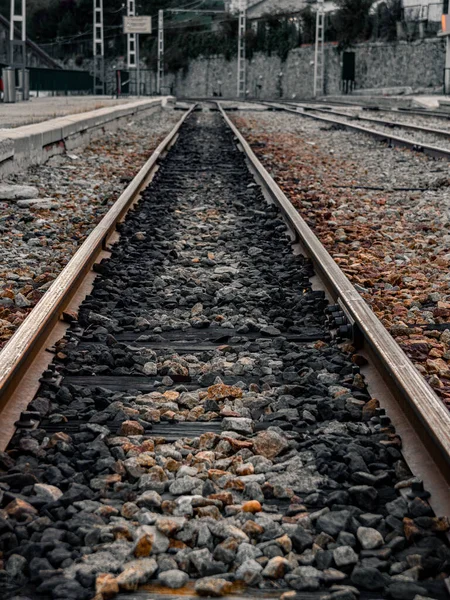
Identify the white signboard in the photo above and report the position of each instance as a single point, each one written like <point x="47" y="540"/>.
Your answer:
<point x="137" y="24"/>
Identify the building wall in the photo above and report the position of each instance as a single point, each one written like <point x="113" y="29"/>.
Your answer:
<point x="417" y="64"/>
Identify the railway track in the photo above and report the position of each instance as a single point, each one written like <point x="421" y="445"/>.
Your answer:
<point x="381" y="129"/>
<point x="373" y="106"/>
<point x="384" y="122"/>
<point x="205" y="425"/>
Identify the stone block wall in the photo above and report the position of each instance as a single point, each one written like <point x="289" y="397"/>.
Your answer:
<point x="417" y="64"/>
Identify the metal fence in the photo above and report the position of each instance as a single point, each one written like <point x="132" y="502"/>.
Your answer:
<point x="60" y="80"/>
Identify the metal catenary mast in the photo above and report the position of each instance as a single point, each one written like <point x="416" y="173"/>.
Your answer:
<point x="17" y="47"/>
<point x="99" y="49"/>
<point x="131" y="38"/>
<point x="160" y="72"/>
<point x="241" y="66"/>
<point x="319" y="51"/>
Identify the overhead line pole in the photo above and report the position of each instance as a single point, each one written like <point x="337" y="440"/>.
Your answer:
<point x="241" y="66"/>
<point x="99" y="49"/>
<point x="160" y="71"/>
<point x="131" y="38"/>
<point x="319" y="51"/>
<point x="18" y="59"/>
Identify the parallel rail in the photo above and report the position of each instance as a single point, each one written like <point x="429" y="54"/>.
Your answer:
<point x="30" y="338"/>
<point x="420" y="406"/>
<point x="408" y="110"/>
<point x="438" y="132"/>
<point x="392" y="140"/>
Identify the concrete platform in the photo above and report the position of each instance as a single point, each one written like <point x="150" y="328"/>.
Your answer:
<point x="37" y="110"/>
<point x="21" y="147"/>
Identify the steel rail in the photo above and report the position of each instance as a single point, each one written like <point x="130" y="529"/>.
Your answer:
<point x="29" y="339"/>
<point x="420" y="112"/>
<point x="432" y="130"/>
<point x="420" y="406"/>
<point x="392" y="140"/>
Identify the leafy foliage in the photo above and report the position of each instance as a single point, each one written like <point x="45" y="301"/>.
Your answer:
<point x="352" y="21"/>
<point x="386" y="17"/>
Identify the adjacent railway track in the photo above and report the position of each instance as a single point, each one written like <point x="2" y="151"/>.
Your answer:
<point x="444" y="133"/>
<point x="373" y="106"/>
<point x="351" y="123"/>
<point x="200" y="418"/>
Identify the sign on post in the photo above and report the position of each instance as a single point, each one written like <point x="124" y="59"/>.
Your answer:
<point x="137" y="24"/>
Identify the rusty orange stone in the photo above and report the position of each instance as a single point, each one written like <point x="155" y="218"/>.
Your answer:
<point x="238" y="444"/>
<point x="172" y="465"/>
<point x="131" y="428"/>
<point x="143" y="546"/>
<point x="225" y="497"/>
<point x="410" y="528"/>
<point x="106" y="585"/>
<point x="369" y="409"/>
<point x="220" y="391"/>
<point x="177" y="544"/>
<point x="252" y="529"/>
<point x="215" y="474"/>
<point x="122" y="532"/>
<point x="235" y="484"/>
<point x="59" y="436"/>
<point x="246" y="469"/>
<point x="147" y="446"/>
<point x="252" y="506"/>
<point x="20" y="510"/>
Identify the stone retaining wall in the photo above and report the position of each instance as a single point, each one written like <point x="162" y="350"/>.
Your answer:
<point x="417" y="64"/>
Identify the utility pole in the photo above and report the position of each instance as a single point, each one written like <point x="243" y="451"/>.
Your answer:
<point x="160" y="73"/>
<point x="241" y="66"/>
<point x="446" y="32"/>
<point x="131" y="39"/>
<point x="17" y="48"/>
<point x="99" y="49"/>
<point x="319" y="51"/>
<point x="131" y="42"/>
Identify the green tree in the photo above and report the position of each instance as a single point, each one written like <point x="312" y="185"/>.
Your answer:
<point x="352" y="21"/>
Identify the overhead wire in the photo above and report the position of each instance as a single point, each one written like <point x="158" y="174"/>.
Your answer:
<point x="65" y="40"/>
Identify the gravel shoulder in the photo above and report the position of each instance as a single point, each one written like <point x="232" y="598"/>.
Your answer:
<point x="383" y="215"/>
<point x="62" y="202"/>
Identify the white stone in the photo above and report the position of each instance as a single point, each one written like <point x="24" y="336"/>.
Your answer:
<point x="369" y="538"/>
<point x="17" y="192"/>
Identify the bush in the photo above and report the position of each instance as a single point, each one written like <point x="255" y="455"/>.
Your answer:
<point x="385" y="18"/>
<point x="352" y="21"/>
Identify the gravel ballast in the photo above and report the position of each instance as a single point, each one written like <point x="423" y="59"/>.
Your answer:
<point x="198" y="429"/>
<point x="383" y="215"/>
<point x="47" y="212"/>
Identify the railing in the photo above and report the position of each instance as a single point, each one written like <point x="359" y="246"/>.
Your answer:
<point x="60" y="80"/>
